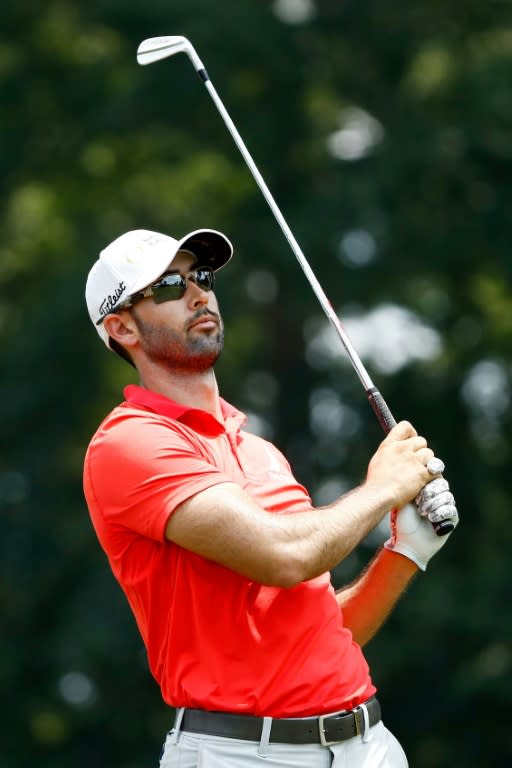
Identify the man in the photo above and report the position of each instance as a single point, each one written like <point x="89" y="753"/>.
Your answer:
<point x="222" y="557"/>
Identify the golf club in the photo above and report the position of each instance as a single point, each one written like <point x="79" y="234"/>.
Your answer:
<point x="157" y="48"/>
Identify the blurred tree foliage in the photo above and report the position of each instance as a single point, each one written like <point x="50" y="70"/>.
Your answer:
<point x="384" y="130"/>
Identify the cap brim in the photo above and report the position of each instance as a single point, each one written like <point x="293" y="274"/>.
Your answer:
<point x="212" y="248"/>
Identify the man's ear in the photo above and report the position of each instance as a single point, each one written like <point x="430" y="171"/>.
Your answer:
<point x="122" y="328"/>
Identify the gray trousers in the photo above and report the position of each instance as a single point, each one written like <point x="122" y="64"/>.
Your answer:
<point x="377" y="748"/>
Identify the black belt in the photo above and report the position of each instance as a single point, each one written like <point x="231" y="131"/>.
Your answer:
<point x="325" y="729"/>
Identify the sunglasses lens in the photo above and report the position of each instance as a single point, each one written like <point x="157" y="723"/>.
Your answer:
<point x="204" y="278"/>
<point x="171" y="288"/>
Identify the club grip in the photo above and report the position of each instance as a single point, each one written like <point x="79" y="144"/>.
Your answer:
<point x="443" y="527"/>
<point x="381" y="409"/>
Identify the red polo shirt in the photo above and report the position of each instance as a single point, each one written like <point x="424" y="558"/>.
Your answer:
<point x="215" y="640"/>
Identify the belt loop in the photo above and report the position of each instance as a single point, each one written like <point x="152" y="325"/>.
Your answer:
<point x="367" y="736"/>
<point x="173" y="738"/>
<point x="265" y="737"/>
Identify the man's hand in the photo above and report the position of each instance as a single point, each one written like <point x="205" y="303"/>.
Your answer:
<point x="412" y="534"/>
<point x="398" y="468"/>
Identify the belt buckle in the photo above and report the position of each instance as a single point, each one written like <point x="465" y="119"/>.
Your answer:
<point x="321" y="729"/>
<point x="357" y="712"/>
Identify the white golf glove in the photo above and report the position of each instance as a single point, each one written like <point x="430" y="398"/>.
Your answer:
<point x="412" y="534"/>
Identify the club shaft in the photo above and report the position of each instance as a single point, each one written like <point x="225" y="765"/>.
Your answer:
<point x="317" y="288"/>
<point x="377" y="402"/>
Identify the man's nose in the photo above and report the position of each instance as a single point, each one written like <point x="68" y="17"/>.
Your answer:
<point x="196" y="295"/>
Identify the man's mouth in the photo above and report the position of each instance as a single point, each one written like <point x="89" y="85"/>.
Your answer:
<point x="205" y="322"/>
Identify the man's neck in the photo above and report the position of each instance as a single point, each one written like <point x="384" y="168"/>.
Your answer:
<point x="191" y="388"/>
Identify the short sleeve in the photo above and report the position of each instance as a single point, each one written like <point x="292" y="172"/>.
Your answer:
<point x="139" y="468"/>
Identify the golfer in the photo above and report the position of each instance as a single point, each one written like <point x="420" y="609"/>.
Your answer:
<point x="220" y="553"/>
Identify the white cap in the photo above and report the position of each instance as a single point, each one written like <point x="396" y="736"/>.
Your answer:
<point x="138" y="258"/>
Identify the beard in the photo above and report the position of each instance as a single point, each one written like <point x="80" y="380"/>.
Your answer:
<point x="180" y="351"/>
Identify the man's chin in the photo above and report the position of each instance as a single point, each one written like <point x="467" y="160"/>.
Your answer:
<point x="204" y="355"/>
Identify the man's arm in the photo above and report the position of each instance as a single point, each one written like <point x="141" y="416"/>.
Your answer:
<point x="223" y="523"/>
<point x="368" y="601"/>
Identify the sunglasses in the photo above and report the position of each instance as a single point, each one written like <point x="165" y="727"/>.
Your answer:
<point x="173" y="286"/>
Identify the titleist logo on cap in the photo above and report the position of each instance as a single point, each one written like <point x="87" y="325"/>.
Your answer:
<point x="110" y="301"/>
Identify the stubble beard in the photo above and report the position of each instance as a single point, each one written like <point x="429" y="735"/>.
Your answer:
<point x="184" y="351"/>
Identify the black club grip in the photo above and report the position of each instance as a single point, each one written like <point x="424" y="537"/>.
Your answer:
<point x="443" y="527"/>
<point x="381" y="409"/>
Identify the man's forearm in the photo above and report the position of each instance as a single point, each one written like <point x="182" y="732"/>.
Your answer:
<point x="367" y="602"/>
<point x="225" y="524"/>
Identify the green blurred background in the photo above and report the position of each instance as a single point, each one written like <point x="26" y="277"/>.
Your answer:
<point x="384" y="130"/>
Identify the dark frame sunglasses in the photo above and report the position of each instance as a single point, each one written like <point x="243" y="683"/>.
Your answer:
<point x="172" y="287"/>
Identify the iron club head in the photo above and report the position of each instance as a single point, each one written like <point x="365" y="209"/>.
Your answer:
<point x="156" y="48"/>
